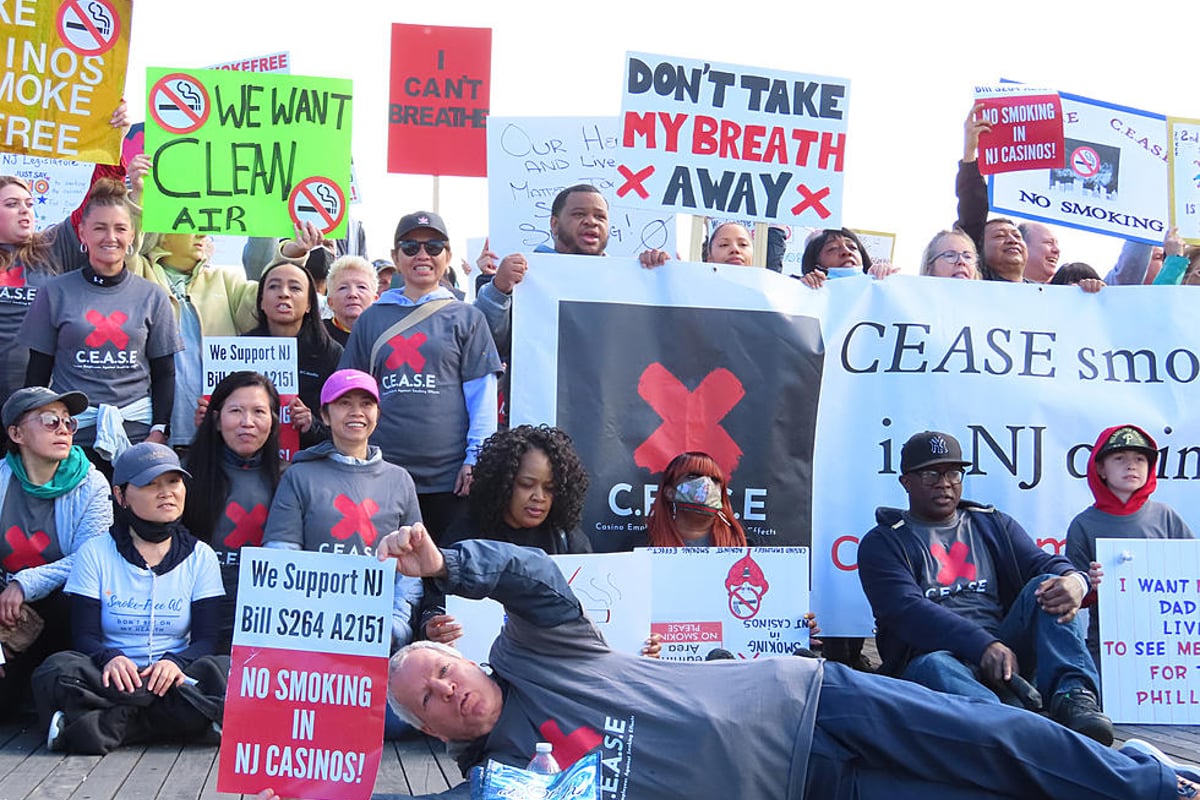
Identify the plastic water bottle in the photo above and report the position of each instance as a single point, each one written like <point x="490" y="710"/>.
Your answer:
<point x="543" y="760"/>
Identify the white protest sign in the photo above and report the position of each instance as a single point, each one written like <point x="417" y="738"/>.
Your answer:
<point x="531" y="159"/>
<point x="1114" y="180"/>
<point x="58" y="185"/>
<point x="703" y="137"/>
<point x="1184" y="135"/>
<point x="272" y="356"/>
<point x="613" y="588"/>
<point x="750" y="601"/>
<point x="1150" y="630"/>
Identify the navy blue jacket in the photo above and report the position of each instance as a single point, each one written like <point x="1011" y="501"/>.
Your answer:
<point x="907" y="623"/>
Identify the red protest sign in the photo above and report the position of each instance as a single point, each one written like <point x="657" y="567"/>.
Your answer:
<point x="438" y="102"/>
<point x="1027" y="132"/>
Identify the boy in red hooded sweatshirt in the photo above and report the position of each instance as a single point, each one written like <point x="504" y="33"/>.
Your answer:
<point x="1122" y="477"/>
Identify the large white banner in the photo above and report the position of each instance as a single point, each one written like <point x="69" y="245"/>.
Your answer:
<point x="531" y="159"/>
<point x="1114" y="180"/>
<point x="643" y="364"/>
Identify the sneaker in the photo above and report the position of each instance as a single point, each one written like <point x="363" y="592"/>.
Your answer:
<point x="1189" y="771"/>
<point x="54" y="737"/>
<point x="1187" y="788"/>
<point x="1079" y="711"/>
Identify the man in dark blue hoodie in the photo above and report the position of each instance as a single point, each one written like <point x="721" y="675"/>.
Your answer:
<point x="964" y="599"/>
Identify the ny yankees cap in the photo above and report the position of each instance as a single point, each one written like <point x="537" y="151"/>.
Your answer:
<point x="420" y="219"/>
<point x="144" y="462"/>
<point x="32" y="397"/>
<point x="347" y="380"/>
<point x="928" y="448"/>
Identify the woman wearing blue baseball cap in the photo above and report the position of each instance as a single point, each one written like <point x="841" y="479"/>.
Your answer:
<point x="144" y="605"/>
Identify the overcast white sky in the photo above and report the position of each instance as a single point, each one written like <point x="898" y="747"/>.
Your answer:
<point x="911" y="67"/>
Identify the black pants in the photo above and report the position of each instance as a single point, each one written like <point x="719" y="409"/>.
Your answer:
<point x="15" y="694"/>
<point x="99" y="719"/>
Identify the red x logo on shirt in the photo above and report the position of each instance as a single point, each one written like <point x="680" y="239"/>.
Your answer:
<point x="569" y="747"/>
<point x="247" y="525"/>
<point x="406" y="351"/>
<point x="26" y="550"/>
<point x="356" y="518"/>
<point x="953" y="564"/>
<point x="690" y="420"/>
<point x="13" y="276"/>
<point x="107" y="329"/>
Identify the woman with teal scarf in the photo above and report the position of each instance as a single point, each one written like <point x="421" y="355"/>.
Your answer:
<point x="52" y="500"/>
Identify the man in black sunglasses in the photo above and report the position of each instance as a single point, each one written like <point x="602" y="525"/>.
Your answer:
<point x="964" y="600"/>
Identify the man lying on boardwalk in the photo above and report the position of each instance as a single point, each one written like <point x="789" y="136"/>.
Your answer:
<point x="763" y="729"/>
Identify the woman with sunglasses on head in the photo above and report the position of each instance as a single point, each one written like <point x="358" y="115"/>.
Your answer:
<point x="437" y="368"/>
<point x="53" y="500"/>
<point x="235" y="466"/>
<point x="107" y="333"/>
<point x="288" y="306"/>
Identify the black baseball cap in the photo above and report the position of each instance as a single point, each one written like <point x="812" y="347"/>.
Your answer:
<point x="32" y="397"/>
<point x="930" y="448"/>
<point x="1127" y="437"/>
<point x="420" y="219"/>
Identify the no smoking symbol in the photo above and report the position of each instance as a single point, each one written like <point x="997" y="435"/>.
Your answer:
<point x="319" y="201"/>
<point x="1085" y="161"/>
<point x="179" y="103"/>
<point x="88" y="27"/>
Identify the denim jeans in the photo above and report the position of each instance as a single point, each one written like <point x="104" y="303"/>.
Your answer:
<point x="1058" y="651"/>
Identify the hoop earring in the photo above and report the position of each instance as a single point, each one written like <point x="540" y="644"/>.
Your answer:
<point x="82" y="247"/>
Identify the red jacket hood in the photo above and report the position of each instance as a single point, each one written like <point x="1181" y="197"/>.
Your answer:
<point x="1107" y="501"/>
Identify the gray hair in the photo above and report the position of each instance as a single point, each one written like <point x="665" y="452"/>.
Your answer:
<point x="348" y="263"/>
<point x="397" y="661"/>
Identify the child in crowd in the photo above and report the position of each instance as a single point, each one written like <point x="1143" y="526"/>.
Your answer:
<point x="1122" y="477"/>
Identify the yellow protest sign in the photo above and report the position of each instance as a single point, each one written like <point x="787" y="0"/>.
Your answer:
<point x="63" y="75"/>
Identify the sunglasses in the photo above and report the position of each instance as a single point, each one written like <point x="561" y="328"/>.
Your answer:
<point x="51" y="421"/>
<point x="410" y="247"/>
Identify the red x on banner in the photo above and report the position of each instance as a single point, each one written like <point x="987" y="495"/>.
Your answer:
<point x="633" y="180"/>
<point x="690" y="420"/>
<point x="812" y="199"/>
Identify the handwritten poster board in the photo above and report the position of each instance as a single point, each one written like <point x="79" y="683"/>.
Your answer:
<point x="438" y="101"/>
<point x="272" y="356"/>
<point x="1114" y="179"/>
<point x="531" y="159"/>
<point x="750" y="601"/>
<point x="305" y="705"/>
<point x="246" y="153"/>
<point x="1150" y="630"/>
<point x="1184" y="160"/>
<point x="58" y="185"/>
<point x="66" y="59"/>
<point x="703" y="137"/>
<point x="1026" y="129"/>
<point x="614" y="589"/>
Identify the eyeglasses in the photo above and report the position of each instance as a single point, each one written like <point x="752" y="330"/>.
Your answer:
<point x="954" y="256"/>
<point x="931" y="477"/>
<point x="410" y="247"/>
<point x="50" y="421"/>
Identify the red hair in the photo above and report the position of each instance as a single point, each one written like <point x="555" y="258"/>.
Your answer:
<point x="660" y="526"/>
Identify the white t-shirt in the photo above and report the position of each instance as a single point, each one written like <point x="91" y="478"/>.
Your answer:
<point x="143" y="614"/>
